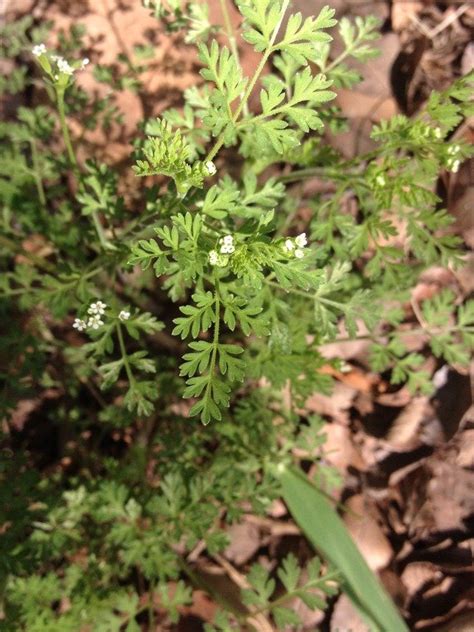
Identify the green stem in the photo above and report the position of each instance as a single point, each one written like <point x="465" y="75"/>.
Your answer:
<point x="253" y="81"/>
<point x="231" y="37"/>
<point x="297" y="592"/>
<point x="75" y="166"/>
<point x="124" y="354"/>
<point x="37" y="173"/>
<point x="342" y="56"/>
<point x="65" y="130"/>
<point x="43" y="264"/>
<point x="221" y="599"/>
<point x="215" y="343"/>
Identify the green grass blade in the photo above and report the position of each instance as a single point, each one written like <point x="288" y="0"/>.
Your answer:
<point x="326" y="531"/>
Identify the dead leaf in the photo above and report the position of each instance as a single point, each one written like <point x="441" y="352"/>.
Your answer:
<point x="335" y="405"/>
<point x="245" y="541"/>
<point x="361" y="521"/>
<point x="403" y="12"/>
<point x="406" y="429"/>
<point x="339" y="449"/>
<point x="345" y="617"/>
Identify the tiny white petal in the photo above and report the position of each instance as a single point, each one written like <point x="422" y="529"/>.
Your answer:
<point x="455" y="166"/>
<point x="289" y="245"/>
<point x="213" y="257"/>
<point x="380" y="179"/>
<point x="211" y="167"/>
<point x="64" y="66"/>
<point x="301" y="240"/>
<point x="39" y="49"/>
<point x="438" y="133"/>
<point x="79" y="324"/>
<point x="124" y="315"/>
<point x="299" y="254"/>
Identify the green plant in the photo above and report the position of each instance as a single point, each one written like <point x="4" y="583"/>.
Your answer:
<point x="217" y="290"/>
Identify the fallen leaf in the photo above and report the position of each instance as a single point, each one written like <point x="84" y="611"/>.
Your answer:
<point x="345" y="617"/>
<point x="245" y="541"/>
<point x="360" y="519"/>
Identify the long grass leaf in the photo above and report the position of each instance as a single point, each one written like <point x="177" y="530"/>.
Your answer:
<point x="326" y="531"/>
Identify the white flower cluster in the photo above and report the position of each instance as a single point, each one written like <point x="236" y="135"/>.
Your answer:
<point x="124" y="315"/>
<point x="227" y="245"/>
<point x="295" y="246"/>
<point x="38" y="50"/>
<point x="214" y="257"/>
<point x="63" y="66"/>
<point x="226" y="248"/>
<point x="454" y="162"/>
<point x="79" y="324"/>
<point x="96" y="311"/>
<point x="211" y="168"/>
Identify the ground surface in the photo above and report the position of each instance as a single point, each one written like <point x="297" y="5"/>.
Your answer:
<point x="406" y="462"/>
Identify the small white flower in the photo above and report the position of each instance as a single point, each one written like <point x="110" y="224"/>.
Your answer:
<point x="124" y="315"/>
<point x="64" y="66"/>
<point x="84" y="63"/>
<point x="211" y="167"/>
<point x="95" y="322"/>
<point x="380" y="180"/>
<point x="438" y="133"/>
<point x="299" y="254"/>
<point x="97" y="308"/>
<point x="227" y="245"/>
<point x="79" y="324"/>
<point x="213" y="257"/>
<point x="39" y="49"/>
<point x="454" y="149"/>
<point x="455" y="166"/>
<point x="301" y="240"/>
<point x="289" y="245"/>
<point x="227" y="249"/>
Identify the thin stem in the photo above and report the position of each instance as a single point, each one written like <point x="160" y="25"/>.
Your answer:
<point x="253" y="81"/>
<point x="65" y="130"/>
<point x="124" y="354"/>
<point x="43" y="264"/>
<point x="231" y="37"/>
<point x="342" y="56"/>
<point x="221" y="599"/>
<point x="297" y="592"/>
<point x="37" y="173"/>
<point x="75" y="166"/>
<point x="215" y="343"/>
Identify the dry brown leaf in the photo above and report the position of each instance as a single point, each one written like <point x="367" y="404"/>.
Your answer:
<point x="245" y="541"/>
<point x="335" y="405"/>
<point x="417" y="575"/>
<point x="362" y="524"/>
<point x="403" y="12"/>
<point x="406" y="429"/>
<point x="465" y="456"/>
<point x="339" y="449"/>
<point x="345" y="617"/>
